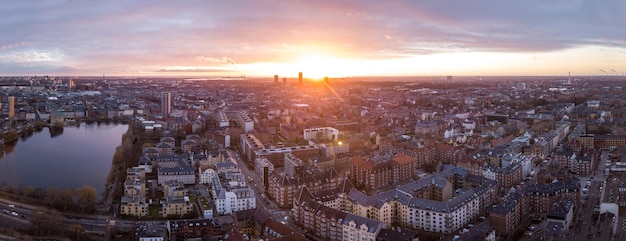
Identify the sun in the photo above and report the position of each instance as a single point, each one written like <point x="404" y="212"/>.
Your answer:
<point x="317" y="66"/>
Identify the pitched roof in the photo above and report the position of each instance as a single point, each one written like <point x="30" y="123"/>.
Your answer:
<point x="234" y="234"/>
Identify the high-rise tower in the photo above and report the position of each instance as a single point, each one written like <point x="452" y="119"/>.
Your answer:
<point x="11" y="107"/>
<point x="300" y="78"/>
<point x="166" y="104"/>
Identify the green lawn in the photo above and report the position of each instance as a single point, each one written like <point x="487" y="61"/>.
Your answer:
<point x="153" y="211"/>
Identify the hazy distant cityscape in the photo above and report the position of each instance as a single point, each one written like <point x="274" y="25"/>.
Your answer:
<point x="295" y="158"/>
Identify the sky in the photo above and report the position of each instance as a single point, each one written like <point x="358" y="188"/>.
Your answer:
<point x="335" y="38"/>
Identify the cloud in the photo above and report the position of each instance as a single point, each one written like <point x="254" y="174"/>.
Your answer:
<point x="112" y="35"/>
<point x="214" y="60"/>
<point x="194" y="70"/>
<point x="15" y="45"/>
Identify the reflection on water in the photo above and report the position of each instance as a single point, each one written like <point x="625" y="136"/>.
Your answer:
<point x="56" y="131"/>
<point x="66" y="158"/>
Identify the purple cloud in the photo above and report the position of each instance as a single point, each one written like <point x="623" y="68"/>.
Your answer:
<point x="110" y="36"/>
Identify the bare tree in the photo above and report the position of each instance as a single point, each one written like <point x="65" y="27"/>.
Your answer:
<point x="87" y="198"/>
<point x="45" y="222"/>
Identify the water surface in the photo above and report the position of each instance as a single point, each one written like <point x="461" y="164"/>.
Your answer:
<point x="71" y="158"/>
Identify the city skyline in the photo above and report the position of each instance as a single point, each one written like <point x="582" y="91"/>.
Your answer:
<point x="336" y="39"/>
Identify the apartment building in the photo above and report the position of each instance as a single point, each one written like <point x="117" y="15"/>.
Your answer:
<point x="197" y="228"/>
<point x="506" y="216"/>
<point x="359" y="228"/>
<point x="541" y="197"/>
<point x="176" y="206"/>
<point x="282" y="188"/>
<point x="183" y="173"/>
<point x="232" y="195"/>
<point x="378" y="171"/>
<point x="507" y="177"/>
<point x="133" y="205"/>
<point x="321" y="133"/>
<point x="429" y="204"/>
<point x="420" y="154"/>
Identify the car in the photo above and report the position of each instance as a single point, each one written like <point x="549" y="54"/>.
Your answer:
<point x="11" y="205"/>
<point x="5" y="211"/>
<point x="15" y="214"/>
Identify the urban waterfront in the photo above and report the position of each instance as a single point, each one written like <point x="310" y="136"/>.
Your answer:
<point x="67" y="159"/>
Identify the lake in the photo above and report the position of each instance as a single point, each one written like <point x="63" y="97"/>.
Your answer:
<point x="70" y="158"/>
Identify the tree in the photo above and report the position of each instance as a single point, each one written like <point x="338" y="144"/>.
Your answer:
<point x="86" y="197"/>
<point x="44" y="222"/>
<point x="60" y="198"/>
<point x="77" y="231"/>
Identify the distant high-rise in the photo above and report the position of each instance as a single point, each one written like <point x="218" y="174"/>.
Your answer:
<point x="166" y="104"/>
<point x="284" y="81"/>
<point x="275" y="79"/>
<point x="11" y="107"/>
<point x="300" y="78"/>
<point x="326" y="80"/>
<point x="569" y="78"/>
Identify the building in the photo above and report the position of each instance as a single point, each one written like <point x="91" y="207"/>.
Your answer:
<point x="379" y="171"/>
<point x="282" y="188"/>
<point x="176" y="206"/>
<point x="208" y="158"/>
<point x="541" y="197"/>
<point x="150" y="231"/>
<point x="174" y="189"/>
<point x="321" y="133"/>
<point x="583" y="164"/>
<point x="319" y="220"/>
<point x="562" y="213"/>
<point x="166" y="104"/>
<point x="421" y="155"/>
<point x="11" y="107"/>
<point x="300" y="78"/>
<point x="398" y="234"/>
<point x="250" y="221"/>
<point x="181" y="230"/>
<point x="242" y="118"/>
<point x="133" y="205"/>
<point x="227" y="166"/>
<point x="233" y="194"/>
<point x="507" y="177"/>
<point x="249" y="143"/>
<point x="424" y="204"/>
<point x="294" y="167"/>
<point x="360" y="228"/>
<point x="262" y="169"/>
<point x="506" y="216"/>
<point x="430" y="127"/>
<point x="277" y="155"/>
<point x="222" y="119"/>
<point x="183" y="173"/>
<point x="332" y="150"/>
<point x="206" y="174"/>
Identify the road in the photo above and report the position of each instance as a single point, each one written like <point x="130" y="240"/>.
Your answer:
<point x="261" y="197"/>
<point x="91" y="223"/>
